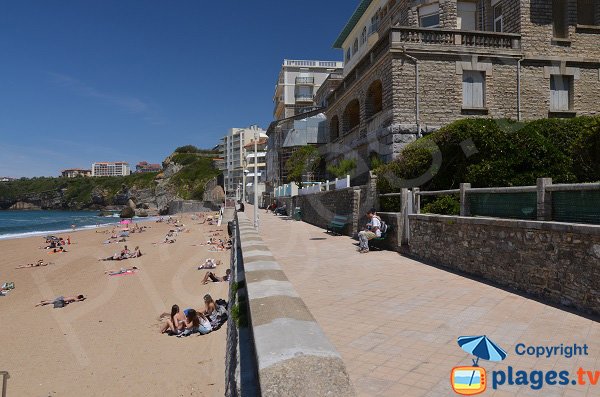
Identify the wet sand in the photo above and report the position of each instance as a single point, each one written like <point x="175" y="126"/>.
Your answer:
<point x="109" y="344"/>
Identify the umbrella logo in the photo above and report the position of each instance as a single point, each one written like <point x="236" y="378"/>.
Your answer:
<point x="470" y="380"/>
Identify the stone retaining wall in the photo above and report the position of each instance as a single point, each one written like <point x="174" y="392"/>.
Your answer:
<point x="293" y="356"/>
<point x="557" y="262"/>
<point x="319" y="208"/>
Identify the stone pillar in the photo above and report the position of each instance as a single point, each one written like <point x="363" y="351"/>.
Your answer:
<point x="356" y="213"/>
<point x="416" y="200"/>
<point x="403" y="221"/>
<point x="465" y="208"/>
<point x="544" y="200"/>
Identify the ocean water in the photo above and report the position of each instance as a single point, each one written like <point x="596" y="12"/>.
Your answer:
<point x="15" y="224"/>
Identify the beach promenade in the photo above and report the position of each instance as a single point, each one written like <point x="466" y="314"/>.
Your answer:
<point x="395" y="321"/>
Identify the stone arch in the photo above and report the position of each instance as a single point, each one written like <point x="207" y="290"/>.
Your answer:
<point x="374" y="99"/>
<point x="351" y="115"/>
<point x="334" y="128"/>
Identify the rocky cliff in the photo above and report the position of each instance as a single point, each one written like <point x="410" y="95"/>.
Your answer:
<point x="185" y="176"/>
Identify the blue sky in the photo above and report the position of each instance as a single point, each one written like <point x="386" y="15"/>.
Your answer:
<point x="84" y="80"/>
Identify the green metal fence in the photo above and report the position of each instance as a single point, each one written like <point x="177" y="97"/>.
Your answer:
<point x="576" y="206"/>
<point x="504" y="205"/>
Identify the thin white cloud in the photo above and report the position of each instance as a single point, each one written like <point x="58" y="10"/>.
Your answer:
<point x="129" y="104"/>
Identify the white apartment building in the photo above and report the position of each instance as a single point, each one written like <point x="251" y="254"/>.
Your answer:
<point x="261" y="169"/>
<point x="233" y="154"/>
<point x="297" y="84"/>
<point x="118" y="168"/>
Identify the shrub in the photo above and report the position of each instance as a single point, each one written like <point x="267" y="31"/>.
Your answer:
<point x="486" y="152"/>
<point x="342" y="168"/>
<point x="443" y="205"/>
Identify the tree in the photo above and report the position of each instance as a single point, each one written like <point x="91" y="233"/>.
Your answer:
<point x="303" y="161"/>
<point x="342" y="168"/>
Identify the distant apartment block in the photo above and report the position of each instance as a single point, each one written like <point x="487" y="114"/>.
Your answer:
<point x="232" y="152"/>
<point x="144" y="166"/>
<point x="297" y="84"/>
<point x="6" y="179"/>
<point x="258" y="157"/>
<point x="119" y="168"/>
<point x="412" y="66"/>
<point x="75" y="172"/>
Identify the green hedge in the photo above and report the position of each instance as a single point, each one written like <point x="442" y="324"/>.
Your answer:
<point x="488" y="152"/>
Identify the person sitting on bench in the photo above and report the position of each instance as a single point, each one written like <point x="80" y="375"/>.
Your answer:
<point x="373" y="231"/>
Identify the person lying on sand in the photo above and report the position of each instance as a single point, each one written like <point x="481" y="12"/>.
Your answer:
<point x="215" y="279"/>
<point x="121" y="271"/>
<point x="62" y="301"/>
<point x="209" y="263"/>
<point x="37" y="264"/>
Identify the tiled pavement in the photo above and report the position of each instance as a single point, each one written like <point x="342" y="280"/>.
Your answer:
<point x="395" y="320"/>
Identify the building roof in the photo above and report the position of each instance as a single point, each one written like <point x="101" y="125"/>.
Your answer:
<point x="358" y="13"/>
<point x="261" y="141"/>
<point x="111" y="162"/>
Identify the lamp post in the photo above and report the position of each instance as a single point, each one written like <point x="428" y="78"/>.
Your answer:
<point x="256" y="181"/>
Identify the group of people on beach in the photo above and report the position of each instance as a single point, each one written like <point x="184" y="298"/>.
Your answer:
<point x="124" y="254"/>
<point x="190" y="321"/>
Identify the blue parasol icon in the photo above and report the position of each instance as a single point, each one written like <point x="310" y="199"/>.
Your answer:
<point x="481" y="347"/>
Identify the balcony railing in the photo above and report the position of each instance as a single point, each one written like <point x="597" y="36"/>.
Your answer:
<point x="321" y="64"/>
<point x="475" y="39"/>
<point x="304" y="97"/>
<point x="305" y="80"/>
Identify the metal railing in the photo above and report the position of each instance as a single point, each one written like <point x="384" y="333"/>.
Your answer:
<point x="318" y="187"/>
<point x="572" y="203"/>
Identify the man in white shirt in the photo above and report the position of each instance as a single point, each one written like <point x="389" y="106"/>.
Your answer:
<point x="373" y="231"/>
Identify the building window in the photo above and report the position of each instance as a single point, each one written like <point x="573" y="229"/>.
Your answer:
<point x="348" y="54"/>
<point x="587" y="10"/>
<point x="561" y="90"/>
<point x="429" y="16"/>
<point x="466" y="19"/>
<point x="559" y="19"/>
<point x="473" y="89"/>
<point x="374" y="24"/>
<point x="363" y="36"/>
<point x="498" y="23"/>
<point x="355" y="46"/>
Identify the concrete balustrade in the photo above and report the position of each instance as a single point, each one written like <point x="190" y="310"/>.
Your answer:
<point x="293" y="355"/>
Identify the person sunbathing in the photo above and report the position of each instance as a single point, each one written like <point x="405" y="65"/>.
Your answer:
<point x="37" y="264"/>
<point x="61" y="301"/>
<point x="136" y="253"/>
<point x="209" y="263"/>
<point x="191" y="323"/>
<point x="175" y="323"/>
<point x="216" y="279"/>
<point x="124" y="254"/>
<point x="121" y="271"/>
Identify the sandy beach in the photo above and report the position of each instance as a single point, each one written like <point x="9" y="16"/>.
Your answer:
<point x="109" y="344"/>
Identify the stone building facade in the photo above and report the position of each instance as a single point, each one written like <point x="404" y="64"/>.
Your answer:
<point x="519" y="59"/>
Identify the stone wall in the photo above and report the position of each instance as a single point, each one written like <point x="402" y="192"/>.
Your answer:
<point x="291" y="355"/>
<point x="556" y="262"/>
<point x="319" y="208"/>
